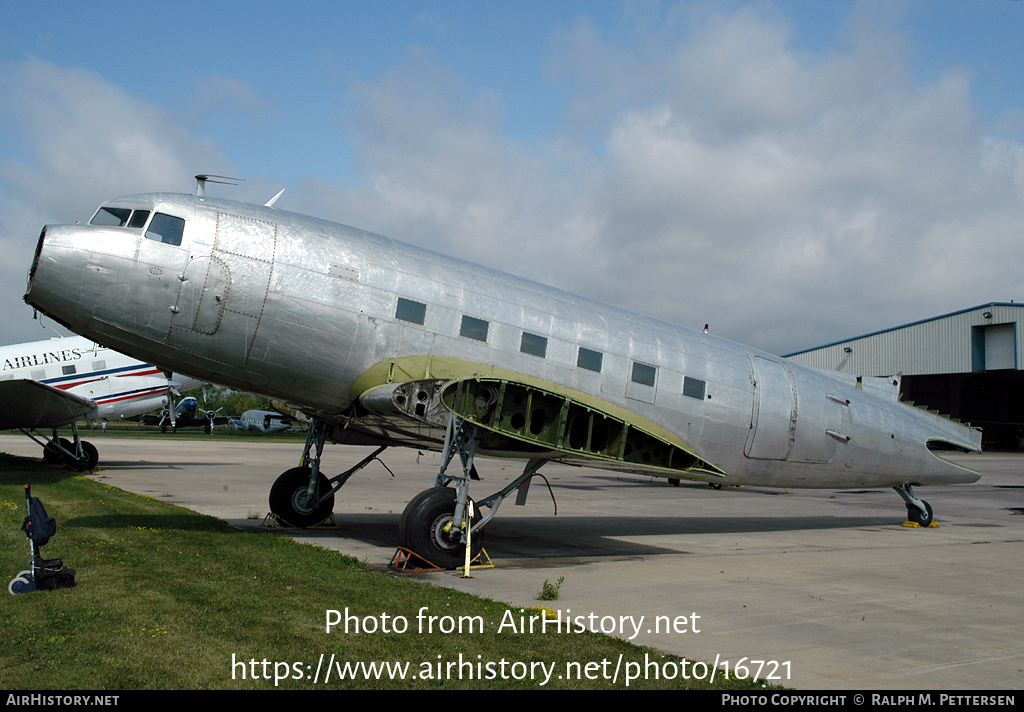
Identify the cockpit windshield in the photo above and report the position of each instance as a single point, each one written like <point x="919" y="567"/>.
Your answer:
<point x="167" y="229"/>
<point x="111" y="216"/>
<point x="119" y="217"/>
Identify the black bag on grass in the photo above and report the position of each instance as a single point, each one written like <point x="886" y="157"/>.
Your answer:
<point x="37" y="525"/>
<point x="50" y="577"/>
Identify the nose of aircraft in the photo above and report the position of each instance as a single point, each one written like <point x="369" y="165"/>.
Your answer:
<point x="35" y="262"/>
<point x="38" y="274"/>
<point x="61" y="281"/>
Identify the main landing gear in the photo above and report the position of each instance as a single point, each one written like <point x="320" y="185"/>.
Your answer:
<point x="918" y="511"/>
<point x="78" y="454"/>
<point x="303" y="496"/>
<point x="435" y="525"/>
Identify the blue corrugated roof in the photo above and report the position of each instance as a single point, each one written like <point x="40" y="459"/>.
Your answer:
<point x="904" y="326"/>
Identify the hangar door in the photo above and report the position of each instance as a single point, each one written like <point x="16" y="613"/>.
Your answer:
<point x="994" y="347"/>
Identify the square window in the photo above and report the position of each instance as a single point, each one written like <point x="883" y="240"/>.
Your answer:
<point x="590" y="360"/>
<point x="473" y="328"/>
<point x="67" y="370"/>
<point x="694" y="387"/>
<point x="413" y="312"/>
<point x="643" y="374"/>
<point x="534" y="345"/>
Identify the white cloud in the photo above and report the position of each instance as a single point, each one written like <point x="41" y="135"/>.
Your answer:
<point x="787" y="198"/>
<point x="706" y="171"/>
<point x="86" y="140"/>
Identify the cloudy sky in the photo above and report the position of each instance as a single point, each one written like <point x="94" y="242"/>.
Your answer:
<point x="792" y="173"/>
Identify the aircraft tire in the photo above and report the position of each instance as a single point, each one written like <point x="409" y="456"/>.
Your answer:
<point x="421" y="529"/>
<point x="288" y="498"/>
<point x="89" y="455"/>
<point x="51" y="454"/>
<point x="92" y="455"/>
<point x="920" y="518"/>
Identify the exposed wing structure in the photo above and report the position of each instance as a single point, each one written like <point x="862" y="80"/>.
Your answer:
<point x="30" y="404"/>
<point x="523" y="416"/>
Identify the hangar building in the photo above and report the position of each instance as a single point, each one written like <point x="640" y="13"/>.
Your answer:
<point x="965" y="364"/>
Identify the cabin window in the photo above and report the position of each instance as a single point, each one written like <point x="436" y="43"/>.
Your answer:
<point x="534" y="345"/>
<point x="694" y="388"/>
<point x="166" y="229"/>
<point x="413" y="312"/>
<point x="473" y="328"/>
<point x="67" y="370"/>
<point x="590" y="360"/>
<point x="643" y="374"/>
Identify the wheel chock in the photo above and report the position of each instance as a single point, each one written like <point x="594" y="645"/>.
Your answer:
<point x="407" y="562"/>
<point x="333" y="523"/>
<point x="272" y="521"/>
<point x="914" y="525"/>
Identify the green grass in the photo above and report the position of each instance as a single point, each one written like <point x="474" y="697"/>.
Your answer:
<point x="166" y="597"/>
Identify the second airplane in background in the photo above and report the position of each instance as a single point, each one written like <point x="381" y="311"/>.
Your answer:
<point x="58" y="382"/>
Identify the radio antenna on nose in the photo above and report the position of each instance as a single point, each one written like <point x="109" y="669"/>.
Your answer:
<point x="202" y="179"/>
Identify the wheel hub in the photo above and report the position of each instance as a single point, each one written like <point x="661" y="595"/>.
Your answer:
<point x="443" y="534"/>
<point x="302" y="501"/>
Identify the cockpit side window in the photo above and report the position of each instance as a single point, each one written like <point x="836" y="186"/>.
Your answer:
<point x="111" y="216"/>
<point x="139" y="218"/>
<point x="166" y="229"/>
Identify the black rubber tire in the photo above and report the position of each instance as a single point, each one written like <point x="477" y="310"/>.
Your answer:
<point x="419" y="530"/>
<point x="92" y="455"/>
<point x="287" y="498"/>
<point x="89" y="454"/>
<point x="920" y="518"/>
<point x="51" y="454"/>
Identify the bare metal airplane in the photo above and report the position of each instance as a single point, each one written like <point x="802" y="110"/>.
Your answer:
<point x="55" y="383"/>
<point x="379" y="342"/>
<point x="264" y="421"/>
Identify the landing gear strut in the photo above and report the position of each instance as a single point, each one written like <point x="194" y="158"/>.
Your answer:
<point x="918" y="511"/>
<point x="77" y="454"/>
<point x="303" y="496"/>
<point x="435" y="523"/>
